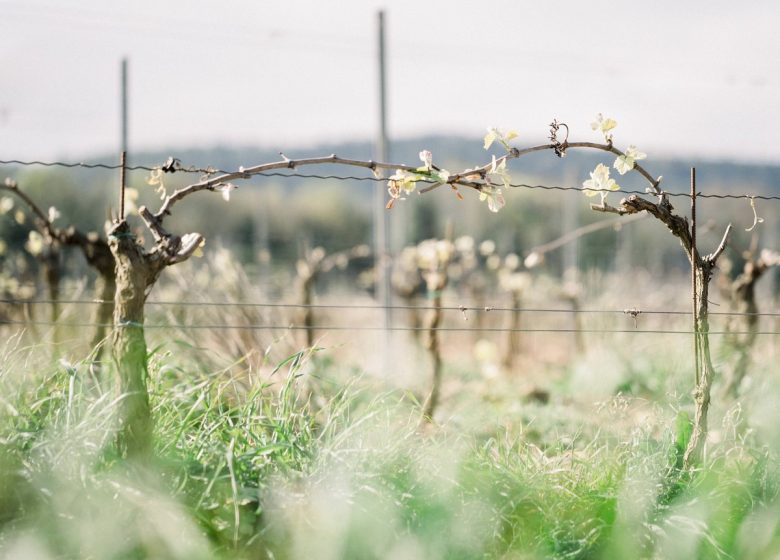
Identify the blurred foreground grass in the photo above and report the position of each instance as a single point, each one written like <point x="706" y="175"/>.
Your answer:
<point x="305" y="459"/>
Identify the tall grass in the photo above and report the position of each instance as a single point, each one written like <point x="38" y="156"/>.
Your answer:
<point x="299" y="459"/>
<point x="263" y="451"/>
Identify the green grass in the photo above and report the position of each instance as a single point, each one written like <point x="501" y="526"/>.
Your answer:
<point x="306" y="460"/>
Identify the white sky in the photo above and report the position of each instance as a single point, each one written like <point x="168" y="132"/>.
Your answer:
<point x="697" y="78"/>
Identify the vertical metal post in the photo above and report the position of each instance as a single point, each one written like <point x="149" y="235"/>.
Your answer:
<point x="122" y="181"/>
<point x="382" y="147"/>
<point x="694" y="280"/>
<point x="123" y="107"/>
<point x="381" y="223"/>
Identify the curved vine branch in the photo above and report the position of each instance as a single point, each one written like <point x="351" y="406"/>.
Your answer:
<point x="248" y="172"/>
<point x="515" y="153"/>
<point x="95" y="250"/>
<point x="42" y="220"/>
<point x="470" y="178"/>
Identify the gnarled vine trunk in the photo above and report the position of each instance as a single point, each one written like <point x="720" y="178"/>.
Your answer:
<point x="52" y="274"/>
<point x="743" y="328"/>
<point x="436" y="282"/>
<point x="702" y="273"/>
<point x="513" y="336"/>
<point x="705" y="371"/>
<point x="105" y="288"/>
<point x="134" y="277"/>
<point x="98" y="255"/>
<point x="137" y="271"/>
<point x="306" y="287"/>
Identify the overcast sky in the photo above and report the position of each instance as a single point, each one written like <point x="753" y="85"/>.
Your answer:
<point x="698" y="78"/>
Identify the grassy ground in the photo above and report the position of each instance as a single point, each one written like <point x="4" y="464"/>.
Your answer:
<point x="307" y="459"/>
<point x="262" y="451"/>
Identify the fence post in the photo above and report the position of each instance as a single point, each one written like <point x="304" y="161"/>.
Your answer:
<point x="381" y="222"/>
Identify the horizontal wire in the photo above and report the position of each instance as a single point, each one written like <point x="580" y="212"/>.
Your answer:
<point x="664" y="193"/>
<point x="527" y="186"/>
<point x="461" y="308"/>
<point x="75" y="164"/>
<point x="107" y="166"/>
<point x="370" y="328"/>
<point x="431" y="182"/>
<point x="371" y="178"/>
<point x="518" y="186"/>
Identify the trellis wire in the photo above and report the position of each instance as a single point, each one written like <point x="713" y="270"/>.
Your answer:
<point x="292" y="327"/>
<point x="459" y="308"/>
<point x="212" y="171"/>
<point x="75" y="164"/>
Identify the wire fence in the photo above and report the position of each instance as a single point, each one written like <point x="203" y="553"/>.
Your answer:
<point x="633" y="312"/>
<point x="371" y="178"/>
<point x="173" y="166"/>
<point x="359" y="328"/>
